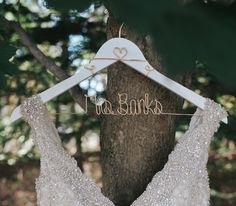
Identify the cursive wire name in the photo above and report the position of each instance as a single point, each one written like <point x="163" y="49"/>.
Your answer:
<point x="127" y="106"/>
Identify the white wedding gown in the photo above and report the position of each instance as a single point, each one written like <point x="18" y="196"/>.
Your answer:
<point x="182" y="182"/>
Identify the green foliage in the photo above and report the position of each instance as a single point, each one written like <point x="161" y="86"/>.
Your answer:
<point x="6" y="67"/>
<point x="62" y="37"/>
<point x="2" y="6"/>
<point x="64" y="6"/>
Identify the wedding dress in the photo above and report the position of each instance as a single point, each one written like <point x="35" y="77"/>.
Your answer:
<point x="182" y="182"/>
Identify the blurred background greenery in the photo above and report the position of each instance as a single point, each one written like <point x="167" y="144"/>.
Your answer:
<point x="70" y="33"/>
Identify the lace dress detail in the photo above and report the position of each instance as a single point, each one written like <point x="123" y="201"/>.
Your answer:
<point x="182" y="182"/>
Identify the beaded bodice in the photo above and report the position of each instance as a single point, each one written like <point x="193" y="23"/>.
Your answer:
<point x="182" y="182"/>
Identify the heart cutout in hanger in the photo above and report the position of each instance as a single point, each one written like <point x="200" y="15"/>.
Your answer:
<point x="120" y="53"/>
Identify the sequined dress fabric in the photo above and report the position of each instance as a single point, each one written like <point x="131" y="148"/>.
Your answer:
<point x="182" y="182"/>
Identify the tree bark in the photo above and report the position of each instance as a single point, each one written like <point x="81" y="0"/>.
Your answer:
<point x="134" y="148"/>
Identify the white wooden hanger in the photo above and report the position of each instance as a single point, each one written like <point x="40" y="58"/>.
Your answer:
<point x="119" y="49"/>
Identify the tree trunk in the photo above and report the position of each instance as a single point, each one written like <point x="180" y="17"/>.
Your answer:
<point x="134" y="148"/>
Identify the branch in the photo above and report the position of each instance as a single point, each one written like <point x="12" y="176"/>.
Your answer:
<point x="76" y="93"/>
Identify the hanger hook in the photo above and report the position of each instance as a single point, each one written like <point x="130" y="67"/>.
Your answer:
<point x="120" y="29"/>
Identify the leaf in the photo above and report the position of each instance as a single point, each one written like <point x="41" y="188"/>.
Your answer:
<point x="1" y="5"/>
<point x="3" y="81"/>
<point x="64" y="6"/>
<point x="6" y="67"/>
<point x="1" y="22"/>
